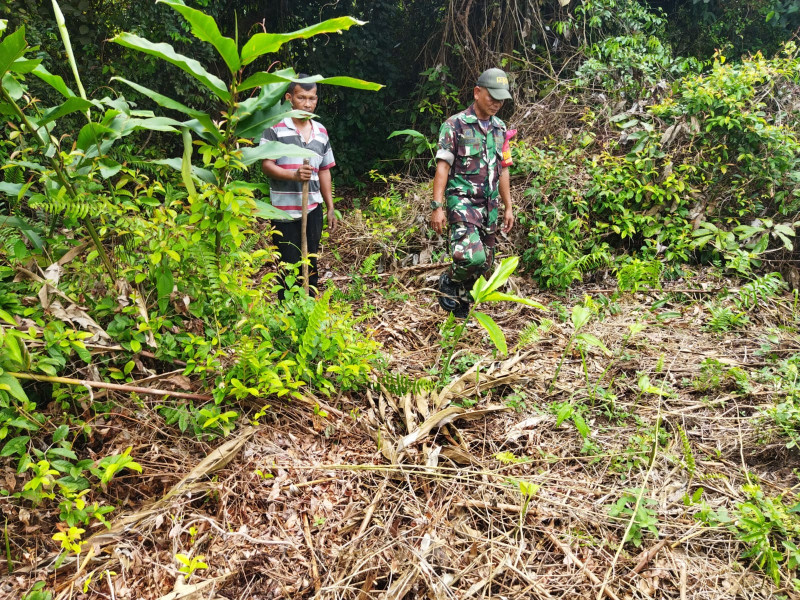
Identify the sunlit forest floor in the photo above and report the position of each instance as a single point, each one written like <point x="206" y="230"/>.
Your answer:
<point x="508" y="483"/>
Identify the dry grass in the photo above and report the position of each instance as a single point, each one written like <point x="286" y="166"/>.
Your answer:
<point x="350" y="507"/>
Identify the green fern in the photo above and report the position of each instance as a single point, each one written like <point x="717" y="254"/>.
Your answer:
<point x="315" y="325"/>
<point x="400" y="384"/>
<point x="9" y="237"/>
<point x="724" y="319"/>
<point x="533" y="333"/>
<point x="640" y="273"/>
<point x="688" y="455"/>
<point x="760" y="288"/>
<point x="368" y="267"/>
<point x="13" y="175"/>
<point x="209" y="263"/>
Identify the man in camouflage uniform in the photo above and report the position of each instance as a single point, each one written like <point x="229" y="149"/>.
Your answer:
<point x="469" y="183"/>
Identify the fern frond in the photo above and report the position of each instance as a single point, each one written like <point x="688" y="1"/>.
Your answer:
<point x="316" y="322"/>
<point x="688" y="455"/>
<point x="368" y="266"/>
<point x="760" y="288"/>
<point x="209" y="263"/>
<point x="400" y="384"/>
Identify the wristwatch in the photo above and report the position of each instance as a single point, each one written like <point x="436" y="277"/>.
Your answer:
<point x="435" y="205"/>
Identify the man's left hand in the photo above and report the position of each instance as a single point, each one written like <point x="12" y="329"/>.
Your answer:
<point x="508" y="220"/>
<point x="332" y="220"/>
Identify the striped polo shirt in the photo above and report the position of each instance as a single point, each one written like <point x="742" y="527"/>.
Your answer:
<point x="288" y="195"/>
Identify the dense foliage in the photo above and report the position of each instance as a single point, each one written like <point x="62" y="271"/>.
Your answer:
<point x="664" y="135"/>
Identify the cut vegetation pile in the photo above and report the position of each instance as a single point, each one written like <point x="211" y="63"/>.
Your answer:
<point x="654" y="465"/>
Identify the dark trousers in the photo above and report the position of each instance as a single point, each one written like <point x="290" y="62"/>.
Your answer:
<point x="288" y="244"/>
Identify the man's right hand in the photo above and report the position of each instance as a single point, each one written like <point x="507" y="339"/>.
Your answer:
<point x="438" y="220"/>
<point x="303" y="173"/>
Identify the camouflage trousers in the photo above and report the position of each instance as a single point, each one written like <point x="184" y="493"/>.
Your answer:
<point x="472" y="250"/>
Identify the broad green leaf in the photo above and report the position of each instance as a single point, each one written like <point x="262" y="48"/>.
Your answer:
<point x="11" y="49"/>
<point x="63" y="452"/>
<point x="69" y="106"/>
<point x="254" y="126"/>
<point x="273" y="150"/>
<point x="502" y="297"/>
<point x="54" y="81"/>
<point x="495" y="334"/>
<point x="24" y="65"/>
<point x="108" y="167"/>
<point x="10" y="189"/>
<point x="177" y="164"/>
<point x="263" y="78"/>
<point x="204" y="119"/>
<point x="7" y="318"/>
<point x="28" y="230"/>
<point x="352" y="82"/>
<point x="13" y="349"/>
<point x="580" y="425"/>
<point x="241" y="187"/>
<point x="14" y="89"/>
<point x="151" y="124"/>
<point x="267" y="211"/>
<point x="564" y="413"/>
<point x="186" y="163"/>
<point x="164" y="285"/>
<point x="284" y="76"/>
<point x="784" y="229"/>
<point x="593" y="340"/>
<point x="500" y="276"/>
<point x="205" y="28"/>
<point x="411" y="132"/>
<point x="15" y="445"/>
<point x="787" y="243"/>
<point x="14" y="388"/>
<point x="92" y="134"/>
<point x="580" y="316"/>
<point x="167" y="53"/>
<point x="264" y="43"/>
<point x="60" y="433"/>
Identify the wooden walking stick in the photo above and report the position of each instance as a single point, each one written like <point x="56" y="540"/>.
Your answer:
<point x="303" y="225"/>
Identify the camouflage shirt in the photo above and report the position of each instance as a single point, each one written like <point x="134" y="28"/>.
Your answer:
<point x="474" y="155"/>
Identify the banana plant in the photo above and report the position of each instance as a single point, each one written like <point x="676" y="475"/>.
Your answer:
<point x="224" y="142"/>
<point x="486" y="291"/>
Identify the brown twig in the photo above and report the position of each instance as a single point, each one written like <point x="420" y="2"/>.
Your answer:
<point x="111" y="386"/>
<point x="314" y="568"/>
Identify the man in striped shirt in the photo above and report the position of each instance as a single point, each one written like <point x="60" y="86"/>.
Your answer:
<point x="287" y="176"/>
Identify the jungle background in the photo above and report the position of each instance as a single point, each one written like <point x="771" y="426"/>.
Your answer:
<point x="618" y="416"/>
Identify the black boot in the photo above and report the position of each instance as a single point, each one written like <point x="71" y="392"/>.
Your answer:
<point x="448" y="297"/>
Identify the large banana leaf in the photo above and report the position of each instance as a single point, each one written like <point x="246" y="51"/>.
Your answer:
<point x="69" y="106"/>
<point x="166" y="102"/>
<point x="54" y="81"/>
<point x="176" y="163"/>
<point x="167" y="53"/>
<point x="92" y="134"/>
<point x="204" y="28"/>
<point x="254" y="125"/>
<point x="11" y="49"/>
<point x="262" y="78"/>
<point x="267" y="211"/>
<point x="273" y="150"/>
<point x="24" y="65"/>
<point x="264" y="43"/>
